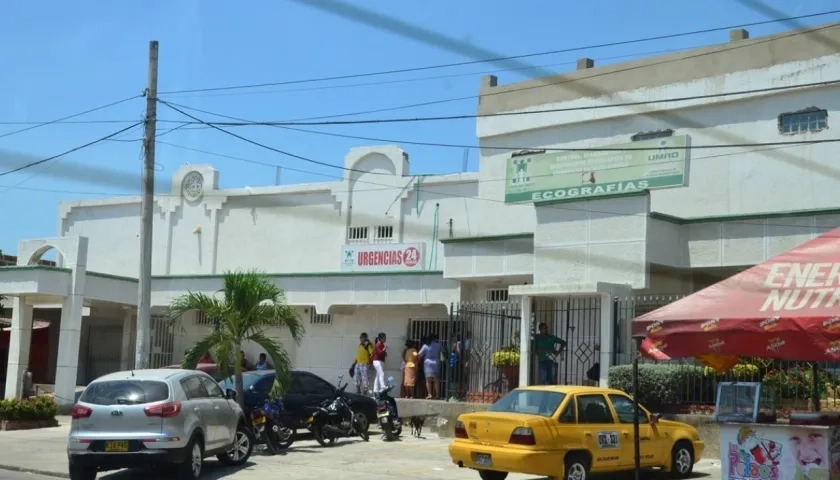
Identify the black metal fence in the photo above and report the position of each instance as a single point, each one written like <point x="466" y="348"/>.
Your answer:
<point x="690" y="387"/>
<point x="488" y="335"/>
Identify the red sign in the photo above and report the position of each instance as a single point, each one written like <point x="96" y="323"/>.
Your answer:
<point x="382" y="257"/>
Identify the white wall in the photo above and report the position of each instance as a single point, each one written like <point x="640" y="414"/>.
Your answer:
<point x="723" y="181"/>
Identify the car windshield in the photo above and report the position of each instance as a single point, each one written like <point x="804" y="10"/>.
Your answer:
<point x="532" y="402"/>
<point x="247" y="381"/>
<point x="125" y="392"/>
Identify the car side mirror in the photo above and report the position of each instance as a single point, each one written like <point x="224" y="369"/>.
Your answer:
<point x="230" y="394"/>
<point x="654" y="418"/>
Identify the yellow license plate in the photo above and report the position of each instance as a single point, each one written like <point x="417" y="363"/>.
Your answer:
<point x="116" y="446"/>
<point x="383" y="414"/>
<point x="259" y="420"/>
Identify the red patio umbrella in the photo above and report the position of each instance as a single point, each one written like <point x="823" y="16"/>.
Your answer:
<point x="787" y="307"/>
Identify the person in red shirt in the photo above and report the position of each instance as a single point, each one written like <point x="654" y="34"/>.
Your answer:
<point x="380" y="351"/>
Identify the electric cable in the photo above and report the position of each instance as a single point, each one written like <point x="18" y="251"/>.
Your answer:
<point x="67" y="152"/>
<point x="261" y="145"/>
<point x="426" y="78"/>
<point x="64" y="119"/>
<point x="501" y="58"/>
<point x="421" y="189"/>
<point x="752" y="91"/>
<point x="487" y="147"/>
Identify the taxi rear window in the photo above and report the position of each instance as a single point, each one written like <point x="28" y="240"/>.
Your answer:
<point x="532" y="402"/>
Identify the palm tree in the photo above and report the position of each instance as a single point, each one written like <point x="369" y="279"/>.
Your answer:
<point x="250" y="303"/>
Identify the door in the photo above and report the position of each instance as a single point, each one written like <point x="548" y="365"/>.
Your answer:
<point x="651" y="449"/>
<point x="314" y="390"/>
<point x="200" y="405"/>
<point x="226" y="413"/>
<point x="602" y="435"/>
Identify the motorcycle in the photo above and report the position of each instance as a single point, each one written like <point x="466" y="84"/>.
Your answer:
<point x="335" y="418"/>
<point x="269" y="428"/>
<point x="386" y="412"/>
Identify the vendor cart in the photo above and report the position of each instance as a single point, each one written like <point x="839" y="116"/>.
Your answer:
<point x="785" y="308"/>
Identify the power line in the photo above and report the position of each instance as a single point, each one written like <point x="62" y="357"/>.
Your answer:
<point x="261" y="145"/>
<point x="241" y="122"/>
<point x="63" y="119"/>
<point x="421" y="189"/>
<point x="504" y="147"/>
<point x="423" y="79"/>
<point x="501" y="58"/>
<point x="439" y="40"/>
<point x="67" y="152"/>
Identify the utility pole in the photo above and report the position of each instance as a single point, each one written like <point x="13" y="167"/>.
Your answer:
<point x="144" y="289"/>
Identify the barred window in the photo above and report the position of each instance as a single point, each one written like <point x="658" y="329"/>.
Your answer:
<point x="810" y="120"/>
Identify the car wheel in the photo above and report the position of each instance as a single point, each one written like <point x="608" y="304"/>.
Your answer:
<point x="78" y="472"/>
<point x="190" y="468"/>
<point x="492" y="475"/>
<point x="243" y="445"/>
<point x="577" y="467"/>
<point x="682" y="460"/>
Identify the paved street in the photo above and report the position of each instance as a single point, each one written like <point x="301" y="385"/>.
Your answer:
<point x="349" y="459"/>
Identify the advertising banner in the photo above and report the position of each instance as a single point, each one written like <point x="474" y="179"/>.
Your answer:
<point x="559" y="176"/>
<point x="396" y="257"/>
<point x="778" y="452"/>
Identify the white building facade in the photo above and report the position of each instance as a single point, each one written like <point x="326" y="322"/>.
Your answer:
<point x="664" y="197"/>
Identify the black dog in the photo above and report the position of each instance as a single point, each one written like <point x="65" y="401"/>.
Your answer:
<point x="417" y="425"/>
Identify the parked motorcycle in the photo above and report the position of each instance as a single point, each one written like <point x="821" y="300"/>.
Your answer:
<point x="269" y="427"/>
<point x="335" y="418"/>
<point x="386" y="412"/>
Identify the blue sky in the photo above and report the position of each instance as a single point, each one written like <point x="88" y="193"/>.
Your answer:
<point x="63" y="58"/>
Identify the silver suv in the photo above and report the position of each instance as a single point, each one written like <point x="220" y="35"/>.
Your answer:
<point x="156" y="418"/>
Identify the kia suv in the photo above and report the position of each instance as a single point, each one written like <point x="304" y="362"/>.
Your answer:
<point x="156" y="418"/>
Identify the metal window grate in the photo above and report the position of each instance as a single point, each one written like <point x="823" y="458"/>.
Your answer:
<point x="497" y="295"/>
<point x="383" y="234"/>
<point x="320" y="318"/>
<point x="202" y="319"/>
<point x="811" y="120"/>
<point x="357" y="234"/>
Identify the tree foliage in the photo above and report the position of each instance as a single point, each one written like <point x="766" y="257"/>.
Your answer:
<point x="247" y="305"/>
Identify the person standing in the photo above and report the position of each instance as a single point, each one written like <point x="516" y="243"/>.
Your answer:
<point x="380" y="351"/>
<point x="431" y="366"/>
<point x="546" y="350"/>
<point x="409" y="368"/>
<point x="361" y="366"/>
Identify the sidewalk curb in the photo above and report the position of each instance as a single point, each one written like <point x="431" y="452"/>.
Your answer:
<point x="45" y="473"/>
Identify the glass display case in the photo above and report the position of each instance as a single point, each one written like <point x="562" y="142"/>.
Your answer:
<point x="745" y="402"/>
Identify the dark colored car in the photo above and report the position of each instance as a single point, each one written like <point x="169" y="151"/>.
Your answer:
<point x="306" y="391"/>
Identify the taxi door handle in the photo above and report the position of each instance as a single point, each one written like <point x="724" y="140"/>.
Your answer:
<point x="588" y="434"/>
<point x="626" y="434"/>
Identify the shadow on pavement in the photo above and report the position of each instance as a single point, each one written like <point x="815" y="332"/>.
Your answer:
<point x="212" y="471"/>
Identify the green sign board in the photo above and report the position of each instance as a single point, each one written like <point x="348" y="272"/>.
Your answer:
<point x="563" y="176"/>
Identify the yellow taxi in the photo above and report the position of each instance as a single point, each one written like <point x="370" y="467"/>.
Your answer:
<point x="568" y="432"/>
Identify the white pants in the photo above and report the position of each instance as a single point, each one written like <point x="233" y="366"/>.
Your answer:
<point x="379" y="380"/>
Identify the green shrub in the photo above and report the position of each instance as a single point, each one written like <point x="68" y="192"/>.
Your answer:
<point x="662" y="384"/>
<point x="42" y="407"/>
<point x="795" y="383"/>
<point x="744" y="372"/>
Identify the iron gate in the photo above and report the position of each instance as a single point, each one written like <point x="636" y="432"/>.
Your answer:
<point x="161" y="342"/>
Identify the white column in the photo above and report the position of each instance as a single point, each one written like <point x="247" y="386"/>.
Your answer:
<point x="525" y="342"/>
<point x="128" y="331"/>
<point x="19" y="342"/>
<point x="68" y="350"/>
<point x="607" y="337"/>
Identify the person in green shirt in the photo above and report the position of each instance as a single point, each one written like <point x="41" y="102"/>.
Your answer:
<point x="546" y="349"/>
